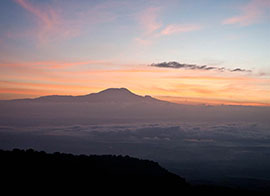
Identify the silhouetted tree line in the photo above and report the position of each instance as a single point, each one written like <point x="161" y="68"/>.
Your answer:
<point x="32" y="171"/>
<point x="69" y="172"/>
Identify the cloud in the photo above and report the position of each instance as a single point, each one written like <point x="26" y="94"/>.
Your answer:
<point x="176" y="65"/>
<point x="153" y="27"/>
<point x="56" y="23"/>
<point x="238" y="69"/>
<point x="176" y="28"/>
<point x="251" y="13"/>
<point x="56" y="64"/>
<point x="143" y="42"/>
<point x="148" y="19"/>
<point x="48" y="19"/>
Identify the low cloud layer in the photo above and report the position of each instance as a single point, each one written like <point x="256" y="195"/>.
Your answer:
<point x="176" y="65"/>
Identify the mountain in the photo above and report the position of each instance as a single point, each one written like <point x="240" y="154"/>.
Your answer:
<point x="117" y="105"/>
<point x="110" y="95"/>
<point x="111" y="105"/>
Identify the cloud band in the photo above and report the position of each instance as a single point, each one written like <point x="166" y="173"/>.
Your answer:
<point x="176" y="65"/>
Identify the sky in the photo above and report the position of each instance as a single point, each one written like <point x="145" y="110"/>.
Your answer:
<point x="185" y="51"/>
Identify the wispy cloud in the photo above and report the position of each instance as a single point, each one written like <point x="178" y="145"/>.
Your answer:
<point x="176" y="28"/>
<point x="176" y="65"/>
<point x="153" y="27"/>
<point x="52" y="23"/>
<point x="251" y="13"/>
<point x="143" y="42"/>
<point x="56" y="64"/>
<point x="48" y="19"/>
<point x="148" y="19"/>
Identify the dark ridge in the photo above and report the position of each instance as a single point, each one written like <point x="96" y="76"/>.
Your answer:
<point x="30" y="168"/>
<point x="38" y="172"/>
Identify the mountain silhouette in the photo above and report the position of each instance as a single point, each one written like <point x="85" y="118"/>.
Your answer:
<point x="110" y="95"/>
<point x="29" y="171"/>
<point x="65" y="172"/>
<point x="117" y="105"/>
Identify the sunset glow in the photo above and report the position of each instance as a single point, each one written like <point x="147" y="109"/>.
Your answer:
<point x="60" y="47"/>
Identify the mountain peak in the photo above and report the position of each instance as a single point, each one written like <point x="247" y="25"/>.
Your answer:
<point x="110" y="95"/>
<point x="116" y="91"/>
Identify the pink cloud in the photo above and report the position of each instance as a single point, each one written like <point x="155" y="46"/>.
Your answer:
<point x="43" y="65"/>
<point x="176" y="28"/>
<point x="54" y="24"/>
<point x="143" y="42"/>
<point x="153" y="27"/>
<point x="49" y="21"/>
<point x="251" y="13"/>
<point x="49" y="17"/>
<point x="149" y="20"/>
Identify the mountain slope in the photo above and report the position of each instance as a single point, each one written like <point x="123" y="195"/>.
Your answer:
<point x="67" y="172"/>
<point x="110" y="95"/>
<point x="35" y="172"/>
<point x="117" y="105"/>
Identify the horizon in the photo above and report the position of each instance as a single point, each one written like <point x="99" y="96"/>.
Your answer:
<point x="217" y="55"/>
<point x="185" y="83"/>
<point x="178" y="100"/>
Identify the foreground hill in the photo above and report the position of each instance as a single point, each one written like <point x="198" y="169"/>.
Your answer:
<point x="30" y="170"/>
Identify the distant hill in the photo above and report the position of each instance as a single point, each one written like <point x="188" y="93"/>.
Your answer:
<point x="110" y="95"/>
<point x="117" y="105"/>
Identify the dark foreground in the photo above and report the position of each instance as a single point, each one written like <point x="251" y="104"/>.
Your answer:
<point x="39" y="172"/>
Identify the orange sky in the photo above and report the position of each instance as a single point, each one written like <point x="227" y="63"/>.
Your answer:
<point x="21" y="80"/>
<point x="77" y="48"/>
